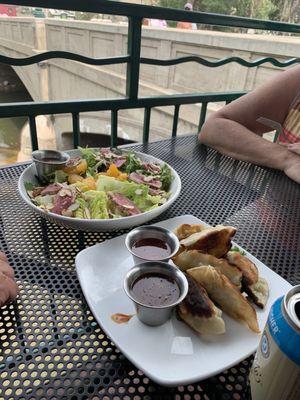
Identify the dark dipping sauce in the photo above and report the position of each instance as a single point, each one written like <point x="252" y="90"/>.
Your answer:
<point x="50" y="160"/>
<point x="155" y="290"/>
<point x="151" y="249"/>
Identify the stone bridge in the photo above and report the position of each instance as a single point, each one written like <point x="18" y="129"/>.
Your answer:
<point x="63" y="79"/>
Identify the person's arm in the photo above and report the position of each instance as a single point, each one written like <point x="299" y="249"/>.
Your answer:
<point x="8" y="287"/>
<point x="234" y="129"/>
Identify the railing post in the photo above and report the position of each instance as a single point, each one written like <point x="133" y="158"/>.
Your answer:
<point x="134" y="51"/>
<point x="33" y="133"/>
<point x="175" y="120"/>
<point x="76" y="130"/>
<point x="202" y="115"/>
<point x="146" y="125"/>
<point x="114" y="128"/>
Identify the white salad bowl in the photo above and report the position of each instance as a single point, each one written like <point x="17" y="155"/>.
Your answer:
<point x="100" y="225"/>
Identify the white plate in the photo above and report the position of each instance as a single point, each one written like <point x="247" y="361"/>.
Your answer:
<point x="100" y="225"/>
<point x="171" y="354"/>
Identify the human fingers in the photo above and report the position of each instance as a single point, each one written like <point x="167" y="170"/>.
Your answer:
<point x="3" y="256"/>
<point x="8" y="289"/>
<point x="293" y="172"/>
<point x="295" y="148"/>
<point x="14" y="290"/>
<point x="6" y="269"/>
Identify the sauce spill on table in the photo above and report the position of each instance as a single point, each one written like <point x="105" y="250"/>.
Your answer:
<point x="151" y="249"/>
<point x="122" y="318"/>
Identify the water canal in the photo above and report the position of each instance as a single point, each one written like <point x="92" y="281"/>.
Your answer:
<point x="11" y="90"/>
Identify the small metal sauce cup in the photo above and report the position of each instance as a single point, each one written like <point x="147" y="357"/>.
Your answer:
<point x="154" y="315"/>
<point x="44" y="167"/>
<point x="151" y="231"/>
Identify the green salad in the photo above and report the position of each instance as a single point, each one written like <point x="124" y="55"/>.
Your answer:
<point x="102" y="184"/>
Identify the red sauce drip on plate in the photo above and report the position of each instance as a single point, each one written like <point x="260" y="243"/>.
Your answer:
<point x="121" y="318"/>
<point x="151" y="249"/>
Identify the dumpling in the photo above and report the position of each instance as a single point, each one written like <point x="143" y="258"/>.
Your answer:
<point x="228" y="297"/>
<point x="256" y="287"/>
<point x="185" y="230"/>
<point x="258" y="292"/>
<point x="215" y="241"/>
<point x="248" y="268"/>
<point x="199" y="312"/>
<point x="194" y="258"/>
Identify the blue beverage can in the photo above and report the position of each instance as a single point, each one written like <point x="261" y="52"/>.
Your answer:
<point x="275" y="373"/>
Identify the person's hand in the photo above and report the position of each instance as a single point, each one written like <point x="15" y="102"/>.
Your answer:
<point x="8" y="287"/>
<point x="295" y="148"/>
<point x="292" y="167"/>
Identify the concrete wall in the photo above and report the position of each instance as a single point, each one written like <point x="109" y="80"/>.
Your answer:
<point x="61" y="79"/>
<point x="18" y="39"/>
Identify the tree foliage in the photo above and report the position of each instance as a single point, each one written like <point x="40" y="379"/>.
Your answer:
<point x="280" y="10"/>
<point x="84" y="16"/>
<point x="286" y="10"/>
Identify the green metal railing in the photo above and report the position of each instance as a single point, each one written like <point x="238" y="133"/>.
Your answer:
<point x="135" y="15"/>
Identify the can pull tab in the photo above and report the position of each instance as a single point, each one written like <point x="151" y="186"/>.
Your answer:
<point x="297" y="309"/>
<point x="293" y="308"/>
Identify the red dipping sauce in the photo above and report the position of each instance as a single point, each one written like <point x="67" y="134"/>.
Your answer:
<point x="151" y="249"/>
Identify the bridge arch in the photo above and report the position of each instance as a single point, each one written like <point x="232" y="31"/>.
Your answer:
<point x="12" y="89"/>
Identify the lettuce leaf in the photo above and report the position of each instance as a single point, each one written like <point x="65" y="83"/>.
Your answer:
<point x="166" y="177"/>
<point x="89" y="155"/>
<point x="79" y="213"/>
<point x="97" y="203"/>
<point x="28" y="186"/>
<point x="133" y="163"/>
<point x="60" y="176"/>
<point x="109" y="184"/>
<point x="46" y="200"/>
<point x="137" y="193"/>
<point x="99" y="206"/>
<point x="128" y="189"/>
<point x="90" y="194"/>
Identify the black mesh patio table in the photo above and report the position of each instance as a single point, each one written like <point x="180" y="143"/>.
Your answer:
<point x="51" y="345"/>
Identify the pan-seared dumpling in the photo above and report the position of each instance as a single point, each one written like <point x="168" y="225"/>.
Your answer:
<point x="215" y="241"/>
<point x="194" y="258"/>
<point x="258" y="292"/>
<point x="257" y="288"/>
<point x="226" y="295"/>
<point x="185" y="230"/>
<point x="248" y="268"/>
<point x="199" y="312"/>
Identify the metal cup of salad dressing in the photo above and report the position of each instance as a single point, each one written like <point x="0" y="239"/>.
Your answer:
<point x="151" y="243"/>
<point x="48" y="161"/>
<point x="155" y="288"/>
<point x="275" y="373"/>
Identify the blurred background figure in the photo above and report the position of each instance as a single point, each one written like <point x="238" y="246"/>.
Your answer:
<point x="158" y="23"/>
<point x="187" y="25"/>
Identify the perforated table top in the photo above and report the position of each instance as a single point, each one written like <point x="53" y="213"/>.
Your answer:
<point x="50" y="345"/>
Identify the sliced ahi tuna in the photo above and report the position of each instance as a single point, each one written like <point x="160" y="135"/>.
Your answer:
<point x="53" y="188"/>
<point x="124" y="205"/>
<point x="153" y="168"/>
<point x="63" y="200"/>
<point x="145" y="180"/>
